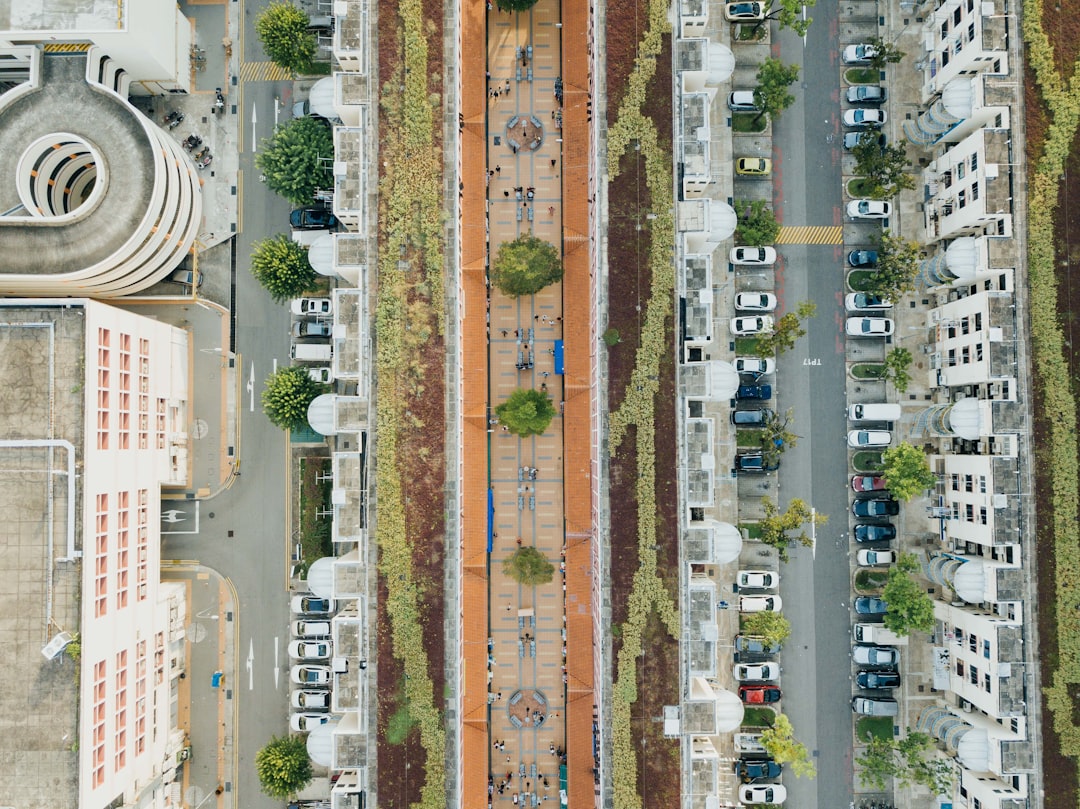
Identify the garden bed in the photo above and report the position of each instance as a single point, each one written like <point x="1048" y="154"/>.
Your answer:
<point x="868" y="371"/>
<point x="867" y="581"/>
<point x="758" y="717"/>
<point x="749" y="122"/>
<point x="746" y="346"/>
<point x="314" y="531"/>
<point x="752" y="529"/>
<point x="863" y="75"/>
<point x="859" y="280"/>
<point x="868" y="727"/>
<point x="867" y="461"/>
<point x="859" y="188"/>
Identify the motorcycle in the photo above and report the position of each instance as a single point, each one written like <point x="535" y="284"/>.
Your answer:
<point x="175" y="122"/>
<point x="205" y="161"/>
<point x="203" y="152"/>
<point x="192" y="141"/>
<point x="168" y="119"/>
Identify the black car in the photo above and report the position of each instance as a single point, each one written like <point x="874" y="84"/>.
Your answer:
<point x="754" y="392"/>
<point x="868" y="605"/>
<point x="877" y="679"/>
<point x="875" y="507"/>
<point x="312" y="218"/>
<point x="852" y="139"/>
<point x="749" y="644"/>
<point x="750" y="770"/>
<point x="752" y="417"/>
<point x="862" y="258"/>
<point x="866" y="532"/>
<point x="754" y="462"/>
<point x="866" y="94"/>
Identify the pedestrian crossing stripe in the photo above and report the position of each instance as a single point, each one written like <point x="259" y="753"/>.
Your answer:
<point x="811" y="235"/>
<point x="264" y="71"/>
<point x="67" y="47"/>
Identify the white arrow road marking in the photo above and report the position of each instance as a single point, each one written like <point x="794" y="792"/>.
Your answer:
<point x="251" y="665"/>
<point x="254" y="138"/>
<point x="277" y="668"/>
<point x="251" y="388"/>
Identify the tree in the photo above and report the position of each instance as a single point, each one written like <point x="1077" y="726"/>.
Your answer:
<point x="526" y="412"/>
<point x="885" y="167"/>
<point x="288" y="393"/>
<point x="897" y="266"/>
<point x="779" y="742"/>
<point x="281" y="266"/>
<point x="283" y="766"/>
<point x="789" y="15"/>
<point x="283" y="31"/>
<point x="776" y="528"/>
<point x="888" y="758"/>
<point x="906" y="470"/>
<point x="771" y="627"/>
<point x="897" y="362"/>
<point x="757" y="223"/>
<point x="525" y="266"/>
<point x="884" y="53"/>
<point x="909" y="607"/>
<point x="529" y="567"/>
<point x="296" y="159"/>
<point x="787" y="330"/>
<point x="775" y="436"/>
<point x="771" y="94"/>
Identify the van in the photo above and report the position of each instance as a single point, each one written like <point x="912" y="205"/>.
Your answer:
<point x="749" y="743"/>
<point x="877" y="634"/>
<point x="872" y="411"/>
<point x="875" y="706"/>
<point x="312" y="352"/>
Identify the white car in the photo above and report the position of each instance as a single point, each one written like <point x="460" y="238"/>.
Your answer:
<point x="311" y="700"/>
<point x="304" y="722"/>
<point x="869" y="209"/>
<point x="870" y="558"/>
<point x="743" y="101"/>
<point x="864" y="119"/>
<point x="311" y="307"/>
<point x="323" y="374"/>
<point x="754" y="365"/>
<point x="860" y="54"/>
<point x="868" y="327"/>
<point x="309" y="604"/>
<point x="762" y="793"/>
<point x="765" y="672"/>
<point x="760" y="604"/>
<point x="311" y="675"/>
<point x="310" y="649"/>
<point x="869" y="438"/>
<point x="755" y="301"/>
<point x="311" y="629"/>
<point x="761" y="579"/>
<point x="753" y="256"/>
<point x="752" y="325"/>
<point x="749" y="743"/>
<point x="863" y="302"/>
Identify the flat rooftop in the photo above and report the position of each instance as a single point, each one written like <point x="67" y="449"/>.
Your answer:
<point x="61" y="15"/>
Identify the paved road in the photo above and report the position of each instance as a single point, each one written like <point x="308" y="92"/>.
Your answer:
<point x="807" y="142"/>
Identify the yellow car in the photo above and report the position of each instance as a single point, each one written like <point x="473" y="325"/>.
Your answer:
<point x="754" y="166"/>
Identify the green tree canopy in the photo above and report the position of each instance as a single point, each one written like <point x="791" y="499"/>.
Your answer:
<point x="757" y="223"/>
<point x="909" y="607"/>
<point x="775" y="436"/>
<point x="906" y="471"/>
<point x="777" y="528"/>
<point x="789" y="14"/>
<point x="885" y="167"/>
<point x="772" y="627"/>
<point x="779" y="742"/>
<point x="772" y="94"/>
<point x="529" y="567"/>
<point x="283" y="766"/>
<point x="897" y="363"/>
<point x="296" y="160"/>
<point x="526" y="412"/>
<point x="281" y="266"/>
<point x="897" y="267"/>
<point x="283" y="31"/>
<point x="525" y="266"/>
<point x="886" y="53"/>
<point x="905" y="760"/>
<point x="288" y="393"/>
<point x="788" y="329"/>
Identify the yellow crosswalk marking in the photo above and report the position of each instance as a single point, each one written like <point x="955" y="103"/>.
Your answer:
<point x="811" y="235"/>
<point x="264" y="71"/>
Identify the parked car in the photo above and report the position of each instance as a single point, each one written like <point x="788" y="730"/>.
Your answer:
<point x="868" y="438"/>
<point x="307" y="721"/>
<point x="749" y="644"/>
<point x="757" y="769"/>
<point x="862" y="301"/>
<point x="754" y="462"/>
<point x="870" y="532"/>
<point x="872" y="558"/>
<point x="867" y="678"/>
<point x="853" y="139"/>
<point x="868" y="327"/>
<point x="186" y="277"/>
<point x="311" y="675"/>
<point x="876" y="656"/>
<point x="312" y="217"/>
<point x="755" y="392"/>
<point x="310" y="649"/>
<point x="770" y="794"/>
<point x="755" y="256"/>
<point x="868" y="483"/>
<point x="866" y="94"/>
<point x="761" y="579"/>
<point x="743" y="101"/>
<point x="749" y="743"/>
<point x="307" y="699"/>
<point x="744" y="11"/>
<point x="755" y="301"/>
<point x="311" y="307"/>
<point x="865" y="118"/>
<point x="862" y="258"/>
<point x="322" y="374"/>
<point x="875" y="507"/>
<point x="311" y="629"/>
<point x="760" y="324"/>
<point x="312" y="328"/>
<point x="753" y="166"/>
<point x="760" y="604"/>
<point x="759" y="694"/>
<point x="312" y="605"/>
<point x="872" y="706"/>
<point x="869" y="209"/>
<point x="860" y="54"/>
<point x="755" y="365"/>
<point x="767" y="672"/>
<point x="869" y="605"/>
<point x="751" y="418"/>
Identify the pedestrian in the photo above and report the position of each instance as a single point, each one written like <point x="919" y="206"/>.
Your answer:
<point x="513" y="149"/>
<point x="553" y="162"/>
<point x="498" y="696"/>
<point x="504" y="332"/>
<point x="508" y="86"/>
<point x="508" y="610"/>
<point x="551" y="351"/>
<point x="552" y="112"/>
<point x="545" y="374"/>
<point x="551" y="210"/>
<point x="498" y="169"/>
<point x="508" y="761"/>
<point x="506" y="193"/>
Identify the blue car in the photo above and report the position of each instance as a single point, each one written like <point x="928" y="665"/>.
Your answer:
<point x="867" y="605"/>
<point x="866" y="532"/>
<point x="754" y="392"/>
<point x="875" y="507"/>
<point x="877" y="679"/>
<point x="312" y="218"/>
<point x="862" y="258"/>
<point x="751" y="770"/>
<point x="754" y="462"/>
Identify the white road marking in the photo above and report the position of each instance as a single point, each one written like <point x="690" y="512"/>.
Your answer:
<point x="277" y="667"/>
<point x="251" y="389"/>
<point x="254" y="138"/>
<point x="251" y="665"/>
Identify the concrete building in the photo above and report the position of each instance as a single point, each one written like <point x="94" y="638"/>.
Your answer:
<point x="963" y="38"/>
<point x="969" y="187"/>
<point x="101" y="393"/>
<point x="982" y="496"/>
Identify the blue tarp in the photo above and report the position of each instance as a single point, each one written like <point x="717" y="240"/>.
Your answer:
<point x="491" y="519"/>
<point x="559" y="357"/>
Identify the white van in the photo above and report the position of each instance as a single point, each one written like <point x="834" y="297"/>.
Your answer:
<point x="872" y="411"/>
<point x="873" y="706"/>
<point x="312" y="352"/>
<point x="877" y="634"/>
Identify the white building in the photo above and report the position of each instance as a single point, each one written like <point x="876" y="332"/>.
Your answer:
<point x="968" y="187"/>
<point x="963" y="38"/>
<point x="981" y="495"/>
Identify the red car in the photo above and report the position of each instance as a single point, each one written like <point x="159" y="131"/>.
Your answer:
<point x="759" y="694"/>
<point x="868" y="483"/>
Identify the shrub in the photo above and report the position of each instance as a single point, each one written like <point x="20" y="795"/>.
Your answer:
<point x="525" y="266"/>
<point x="527" y="412"/>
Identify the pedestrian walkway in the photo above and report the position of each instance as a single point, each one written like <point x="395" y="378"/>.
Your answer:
<point x="811" y="235"/>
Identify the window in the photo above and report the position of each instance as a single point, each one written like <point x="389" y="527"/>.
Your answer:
<point x="974" y="162"/>
<point x="944" y="29"/>
<point x="973" y="675"/>
<point x="969" y="483"/>
<point x="986" y="683"/>
<point x="101" y="556"/>
<point x="978" y="321"/>
<point x="123" y="515"/>
<point x="97" y="775"/>
<point x="986" y="649"/>
<point x="982" y="515"/>
<point x="965" y="358"/>
<point x="143" y="548"/>
<point x="961" y="198"/>
<point x="960" y="668"/>
<point x="140" y="697"/>
<point x="974" y="191"/>
<point x="960" y="170"/>
<point x="958" y="15"/>
<point x="955" y="482"/>
<point x="969" y="512"/>
<point x="971" y="33"/>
